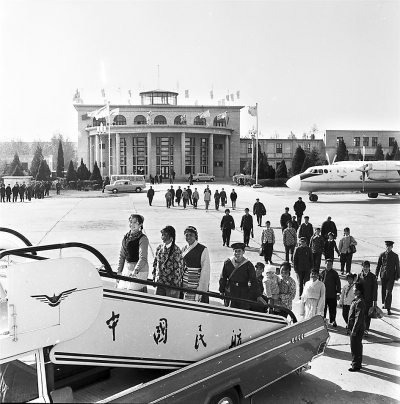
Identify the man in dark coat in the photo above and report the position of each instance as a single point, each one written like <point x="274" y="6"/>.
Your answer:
<point x="178" y="195"/>
<point x="236" y="273"/>
<point x="233" y="197"/>
<point x="15" y="190"/>
<point x="190" y="192"/>
<point x="8" y="193"/>
<point x="285" y="218"/>
<point x="2" y="193"/>
<point x="172" y="190"/>
<point x="222" y="195"/>
<point x="299" y="207"/>
<point x="302" y="263"/>
<point x="368" y="279"/>
<point x="388" y="268"/>
<point x="306" y="230"/>
<point x="227" y="225"/>
<point x="150" y="195"/>
<point x="331" y="280"/>
<point x="259" y="211"/>
<point x="327" y="227"/>
<point x="246" y="225"/>
<point x="21" y="191"/>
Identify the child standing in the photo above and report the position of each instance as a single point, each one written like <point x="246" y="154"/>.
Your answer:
<point x="347" y="296"/>
<point x="272" y="285"/>
<point x="330" y="247"/>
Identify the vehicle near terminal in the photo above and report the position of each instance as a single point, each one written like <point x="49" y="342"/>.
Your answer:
<point x="65" y="325"/>
<point x="370" y="177"/>
<point x="203" y="177"/>
<point x="126" y="183"/>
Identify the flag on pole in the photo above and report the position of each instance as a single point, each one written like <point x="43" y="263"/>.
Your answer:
<point x="227" y="97"/>
<point x="103" y="93"/>
<point x="253" y="111"/>
<point x="205" y="114"/>
<point x="130" y="94"/>
<point x="129" y="102"/>
<point x="219" y="102"/>
<point x="232" y="97"/>
<point x="237" y="94"/>
<point x="114" y="112"/>
<point x="186" y="93"/>
<point x="222" y="116"/>
<point x="195" y="103"/>
<point x="211" y="94"/>
<point x="99" y="113"/>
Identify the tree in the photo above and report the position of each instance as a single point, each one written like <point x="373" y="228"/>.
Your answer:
<point x="315" y="157"/>
<point x="359" y="155"/>
<point x="307" y="163"/>
<point x="71" y="173"/>
<point x="44" y="173"/>
<point x="379" y="153"/>
<point x="281" y="170"/>
<point x="304" y="135"/>
<point x="390" y="156"/>
<point x="341" y="151"/>
<point x="37" y="159"/>
<point x="397" y="155"/>
<point x="292" y="135"/>
<point x="298" y="160"/>
<point x="82" y="172"/>
<point x="15" y="168"/>
<point x="60" y="160"/>
<point x="96" y="176"/>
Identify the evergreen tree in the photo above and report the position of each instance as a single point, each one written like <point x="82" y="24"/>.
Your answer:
<point x="359" y="156"/>
<point x="341" y="151"/>
<point x="379" y="153"/>
<point x="314" y="157"/>
<point x="397" y="155"/>
<point x="270" y="172"/>
<point x="44" y="173"/>
<point x="307" y="163"/>
<point x="96" y="176"/>
<point x="37" y="159"/>
<point x="281" y="171"/>
<point x="298" y="160"/>
<point x="15" y="168"/>
<point x="71" y="173"/>
<point x="390" y="155"/>
<point x="82" y="172"/>
<point x="60" y="160"/>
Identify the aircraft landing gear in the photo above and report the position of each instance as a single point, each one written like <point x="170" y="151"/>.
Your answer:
<point x="313" y="197"/>
<point x="373" y="195"/>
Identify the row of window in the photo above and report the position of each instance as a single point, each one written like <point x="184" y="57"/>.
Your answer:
<point x="357" y="141"/>
<point x="279" y="147"/>
<point x="159" y="120"/>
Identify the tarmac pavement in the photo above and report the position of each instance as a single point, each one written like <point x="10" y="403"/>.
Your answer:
<point x="101" y="220"/>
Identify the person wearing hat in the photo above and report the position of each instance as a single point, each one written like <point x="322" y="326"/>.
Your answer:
<point x="285" y="219"/>
<point x="302" y="263"/>
<point x="227" y="225"/>
<point x="389" y="271"/>
<point x="236" y="274"/>
<point x="272" y="285"/>
<point x="346" y="297"/>
<point x="196" y="273"/>
<point x="299" y="207"/>
<point x="259" y="210"/>
<point x="246" y="225"/>
<point x="267" y="242"/>
<point x="259" y="267"/>
<point x="370" y="282"/>
<point x="356" y="326"/>
<point x="331" y="280"/>
<point x="306" y="230"/>
<point x="133" y="255"/>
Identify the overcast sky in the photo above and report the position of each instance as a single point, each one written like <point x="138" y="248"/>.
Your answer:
<point x="330" y="63"/>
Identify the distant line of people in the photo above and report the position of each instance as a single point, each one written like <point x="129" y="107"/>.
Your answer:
<point x="25" y="192"/>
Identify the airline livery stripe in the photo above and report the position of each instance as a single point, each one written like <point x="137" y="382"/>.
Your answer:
<point x="131" y="363"/>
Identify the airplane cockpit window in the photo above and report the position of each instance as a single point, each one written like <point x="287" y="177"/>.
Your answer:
<point x="309" y="170"/>
<point x="320" y="171"/>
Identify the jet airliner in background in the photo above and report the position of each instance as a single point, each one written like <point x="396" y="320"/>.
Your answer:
<point x="371" y="177"/>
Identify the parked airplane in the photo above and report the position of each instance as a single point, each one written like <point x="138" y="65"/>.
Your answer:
<point x="371" y="177"/>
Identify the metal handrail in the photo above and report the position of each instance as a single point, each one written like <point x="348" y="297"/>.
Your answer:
<point x="17" y="234"/>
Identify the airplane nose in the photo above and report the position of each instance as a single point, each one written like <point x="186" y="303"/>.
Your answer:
<point x="294" y="183"/>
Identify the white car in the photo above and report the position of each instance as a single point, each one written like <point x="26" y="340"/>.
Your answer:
<point x="125" y="186"/>
<point x="203" y="177"/>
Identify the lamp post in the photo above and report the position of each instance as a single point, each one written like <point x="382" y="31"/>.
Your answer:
<point x="252" y="134"/>
<point x="101" y="130"/>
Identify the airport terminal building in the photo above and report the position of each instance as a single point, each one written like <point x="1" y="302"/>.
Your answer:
<point x="160" y="137"/>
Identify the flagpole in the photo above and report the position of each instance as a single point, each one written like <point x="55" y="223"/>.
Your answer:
<point x="256" y="185"/>
<point x="109" y="141"/>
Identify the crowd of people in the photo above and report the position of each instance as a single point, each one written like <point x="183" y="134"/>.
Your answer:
<point x="26" y="192"/>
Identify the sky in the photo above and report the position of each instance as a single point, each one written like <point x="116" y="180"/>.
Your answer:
<point x="333" y="64"/>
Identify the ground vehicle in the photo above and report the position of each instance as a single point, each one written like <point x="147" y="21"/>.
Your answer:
<point x="129" y="183"/>
<point x="85" y="323"/>
<point x="203" y="177"/>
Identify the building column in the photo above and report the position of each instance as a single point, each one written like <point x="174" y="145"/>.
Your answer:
<point x="183" y="149"/>
<point x="117" y="153"/>
<point x="90" y="153"/>
<point x="211" y="154"/>
<point x="96" y="149"/>
<point x="226" y="162"/>
<point x="149" y="165"/>
<point x="101" y="157"/>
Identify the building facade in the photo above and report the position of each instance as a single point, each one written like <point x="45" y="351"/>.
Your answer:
<point x="161" y="137"/>
<point x="278" y="150"/>
<point x="355" y="140"/>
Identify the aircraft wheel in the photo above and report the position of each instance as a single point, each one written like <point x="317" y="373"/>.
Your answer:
<point x="313" y="198"/>
<point x="227" y="397"/>
<point x="373" y="195"/>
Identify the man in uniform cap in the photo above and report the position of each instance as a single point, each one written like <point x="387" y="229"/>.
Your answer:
<point x="236" y="274"/>
<point x="388" y="268"/>
<point x="302" y="263"/>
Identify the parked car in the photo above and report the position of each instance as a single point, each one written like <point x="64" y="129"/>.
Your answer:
<point x="203" y="177"/>
<point x="125" y="186"/>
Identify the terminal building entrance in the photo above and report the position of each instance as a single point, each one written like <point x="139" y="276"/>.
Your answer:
<point x="164" y="156"/>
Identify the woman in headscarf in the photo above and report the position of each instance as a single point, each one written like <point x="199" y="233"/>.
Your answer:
<point x="196" y="273"/>
<point x="133" y="255"/>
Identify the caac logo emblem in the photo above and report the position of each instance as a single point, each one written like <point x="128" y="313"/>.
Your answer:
<point x="55" y="300"/>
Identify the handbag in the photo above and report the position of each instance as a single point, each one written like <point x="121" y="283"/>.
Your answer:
<point x="353" y="249"/>
<point x="375" y="312"/>
<point x="261" y="250"/>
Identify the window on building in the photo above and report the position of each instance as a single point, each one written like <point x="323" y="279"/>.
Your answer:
<point x="97" y="122"/>
<point x="119" y="120"/>
<point x="199" y="121"/>
<point x="164" y="155"/>
<point x="357" y="141"/>
<point x="307" y="146"/>
<point x="374" y="141"/>
<point x="139" y="155"/>
<point x="218" y="163"/>
<point x="218" y="146"/>
<point x="249" y="148"/>
<point x="219" y="121"/>
<point x="102" y="145"/>
<point x="180" y="120"/>
<point x="391" y="141"/>
<point x="122" y="155"/>
<point x="365" y="141"/>
<point x="190" y="155"/>
<point x="279" y="147"/>
<point x="139" y="120"/>
<point x="339" y="139"/>
<point x="204" y="155"/>
<point x="160" y="120"/>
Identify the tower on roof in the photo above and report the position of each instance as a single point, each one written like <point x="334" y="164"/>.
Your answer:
<point x="159" y="97"/>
